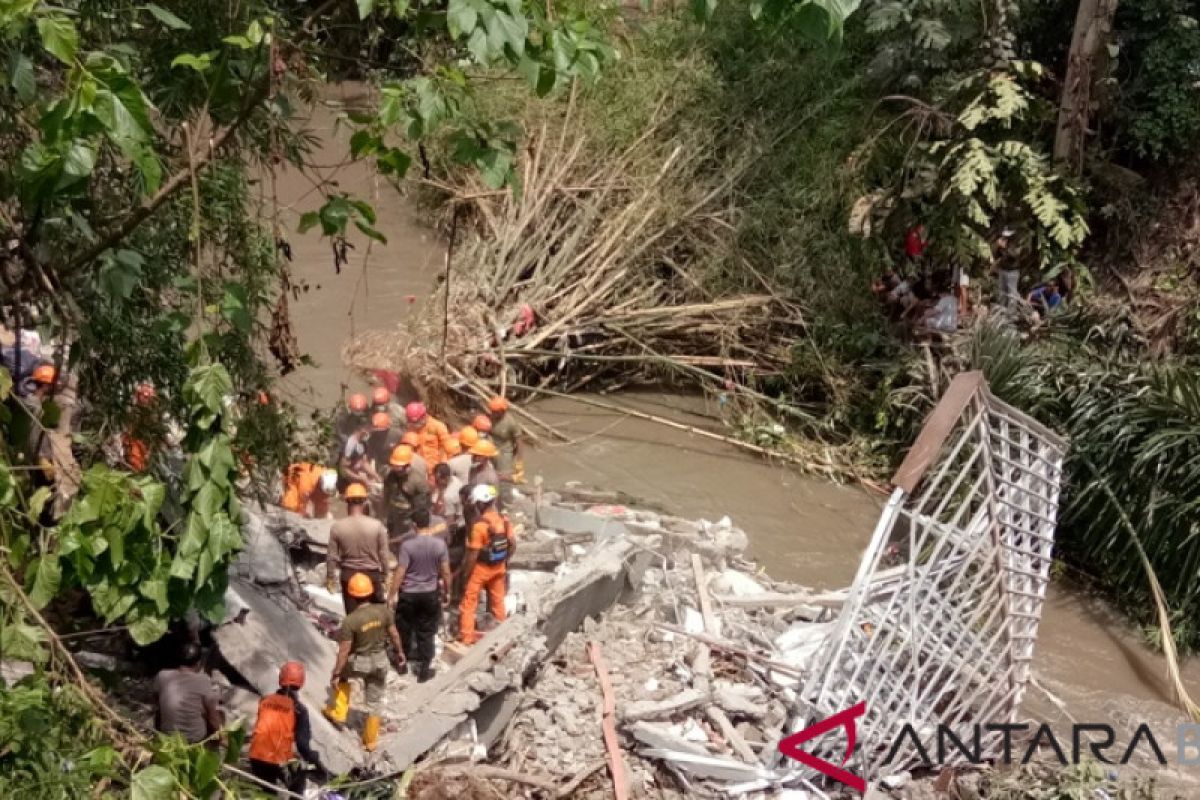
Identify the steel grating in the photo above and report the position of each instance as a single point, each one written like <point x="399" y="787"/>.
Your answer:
<point x="940" y="624"/>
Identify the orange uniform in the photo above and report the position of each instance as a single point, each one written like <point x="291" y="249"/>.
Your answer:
<point x="435" y="442"/>
<point x="137" y="453"/>
<point x="300" y="488"/>
<point x="485" y="575"/>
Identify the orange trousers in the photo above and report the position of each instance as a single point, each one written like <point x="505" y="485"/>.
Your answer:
<point x="491" y="576"/>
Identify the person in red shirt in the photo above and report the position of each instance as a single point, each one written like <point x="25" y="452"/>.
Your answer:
<point x="915" y="242"/>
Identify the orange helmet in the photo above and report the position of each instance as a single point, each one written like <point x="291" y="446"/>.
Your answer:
<point x="482" y="423"/>
<point x="484" y="448"/>
<point x="360" y="586"/>
<point x="264" y="399"/>
<point x="497" y="404"/>
<point x="453" y="446"/>
<point x="412" y="439"/>
<point x="381" y="421"/>
<point x="357" y="403"/>
<point x="381" y="396"/>
<point x="402" y="456"/>
<point x="355" y="491"/>
<point x="46" y="374"/>
<point x="468" y="437"/>
<point x="292" y="674"/>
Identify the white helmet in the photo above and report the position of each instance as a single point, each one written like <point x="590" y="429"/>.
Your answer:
<point x="483" y="493"/>
<point x="329" y="481"/>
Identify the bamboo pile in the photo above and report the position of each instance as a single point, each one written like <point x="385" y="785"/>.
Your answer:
<point x="589" y="276"/>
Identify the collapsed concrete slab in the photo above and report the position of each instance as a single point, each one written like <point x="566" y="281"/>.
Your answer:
<point x="276" y="631"/>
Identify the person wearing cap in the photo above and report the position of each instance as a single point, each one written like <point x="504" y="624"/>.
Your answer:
<point x="357" y="545"/>
<point x="307" y="490"/>
<point x="30" y="415"/>
<point x="506" y="433"/>
<point x="186" y="700"/>
<point x="483" y="425"/>
<point x="403" y="491"/>
<point x="362" y="654"/>
<point x="381" y="441"/>
<point x="433" y="432"/>
<point x="354" y="464"/>
<point x="282" y="731"/>
<point x="490" y="545"/>
<point x="483" y="468"/>
<point x="419" y="467"/>
<point x="421" y="589"/>
<point x="350" y="419"/>
<point x="460" y="463"/>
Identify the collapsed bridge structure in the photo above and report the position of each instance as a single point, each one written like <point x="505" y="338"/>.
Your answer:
<point x="648" y="658"/>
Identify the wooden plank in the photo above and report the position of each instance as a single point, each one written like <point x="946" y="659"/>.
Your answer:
<point x="937" y="427"/>
<point x="710" y="621"/>
<point x="739" y="745"/>
<point x="616" y="761"/>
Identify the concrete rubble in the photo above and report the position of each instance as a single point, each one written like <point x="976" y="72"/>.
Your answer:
<point x="649" y="643"/>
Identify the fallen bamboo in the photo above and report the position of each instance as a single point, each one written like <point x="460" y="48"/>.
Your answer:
<point x="612" y="745"/>
<point x="727" y="647"/>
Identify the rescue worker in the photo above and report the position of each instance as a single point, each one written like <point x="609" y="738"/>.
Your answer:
<point x="186" y="700"/>
<point x="419" y="467"/>
<point x="354" y="465"/>
<point x="483" y="425"/>
<point x="489" y="547"/>
<point x="307" y="489"/>
<point x="135" y="441"/>
<point x="282" y="731"/>
<point x="460" y="463"/>
<point x="403" y="491"/>
<point x="357" y="545"/>
<point x="381" y="441"/>
<point x="420" y="590"/>
<point x="506" y="433"/>
<point x="31" y="416"/>
<point x="434" y="433"/>
<point x="348" y="422"/>
<point x="362" y="654"/>
<point x="483" y="469"/>
<point x="448" y="504"/>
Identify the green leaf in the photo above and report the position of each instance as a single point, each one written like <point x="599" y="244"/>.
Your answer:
<point x="59" y="37"/>
<point x="207" y="386"/>
<point x="365" y="7"/>
<point x="308" y="220"/>
<point x="204" y="771"/>
<point x="121" y="273"/>
<point x="394" y="162"/>
<point x="149" y="167"/>
<point x="21" y="77"/>
<point x="79" y="161"/>
<point x="703" y="9"/>
<point x="153" y="783"/>
<point x="166" y="17"/>
<point x="363" y="142"/>
<point x="37" y="503"/>
<point x="370" y="231"/>
<point x="46" y="580"/>
<point x="200" y="63"/>
<point x="5" y="387"/>
<point x="155" y="589"/>
<point x="22" y="642"/>
<point x="461" y="17"/>
<point x="147" y="630"/>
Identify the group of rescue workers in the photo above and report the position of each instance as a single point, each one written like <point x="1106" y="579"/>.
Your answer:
<point x="423" y="527"/>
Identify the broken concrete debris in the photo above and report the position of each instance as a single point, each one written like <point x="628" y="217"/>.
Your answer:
<point x="648" y="643"/>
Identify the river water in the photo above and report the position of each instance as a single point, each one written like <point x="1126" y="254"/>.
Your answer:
<point x="800" y="528"/>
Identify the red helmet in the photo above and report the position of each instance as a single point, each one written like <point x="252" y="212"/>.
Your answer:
<point x="381" y="396"/>
<point x="357" y="403"/>
<point x="415" y="412"/>
<point x="292" y="674"/>
<point x="482" y="423"/>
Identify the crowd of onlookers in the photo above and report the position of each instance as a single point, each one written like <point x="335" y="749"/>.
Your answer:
<point x="933" y="301"/>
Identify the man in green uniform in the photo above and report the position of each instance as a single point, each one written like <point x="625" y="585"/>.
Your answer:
<point x="362" y="654"/>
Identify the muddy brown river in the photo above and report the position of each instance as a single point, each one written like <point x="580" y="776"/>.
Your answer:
<point x="800" y="528"/>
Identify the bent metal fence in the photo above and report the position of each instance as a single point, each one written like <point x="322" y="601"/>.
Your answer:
<point x="939" y="627"/>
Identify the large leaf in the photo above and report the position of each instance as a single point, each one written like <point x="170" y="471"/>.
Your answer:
<point x="21" y="77"/>
<point x="148" y="630"/>
<point x="166" y="17"/>
<point x="153" y="783"/>
<point x="59" y="37"/>
<point x="46" y="580"/>
<point x="365" y="7"/>
<point x="21" y="642"/>
<point x="209" y="385"/>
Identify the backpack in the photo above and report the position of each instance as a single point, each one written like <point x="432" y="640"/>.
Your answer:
<point x="496" y="549"/>
<point x="275" y="731"/>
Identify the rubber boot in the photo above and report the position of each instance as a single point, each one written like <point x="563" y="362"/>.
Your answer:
<point x="337" y="712"/>
<point x="370" y="735"/>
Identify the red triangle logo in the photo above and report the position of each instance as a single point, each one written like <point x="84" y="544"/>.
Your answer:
<point x="790" y="746"/>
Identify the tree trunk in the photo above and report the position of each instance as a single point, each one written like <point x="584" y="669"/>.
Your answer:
<point x="1093" y="24"/>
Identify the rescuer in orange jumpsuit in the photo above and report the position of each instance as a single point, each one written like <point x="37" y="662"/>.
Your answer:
<point x="490" y="545"/>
